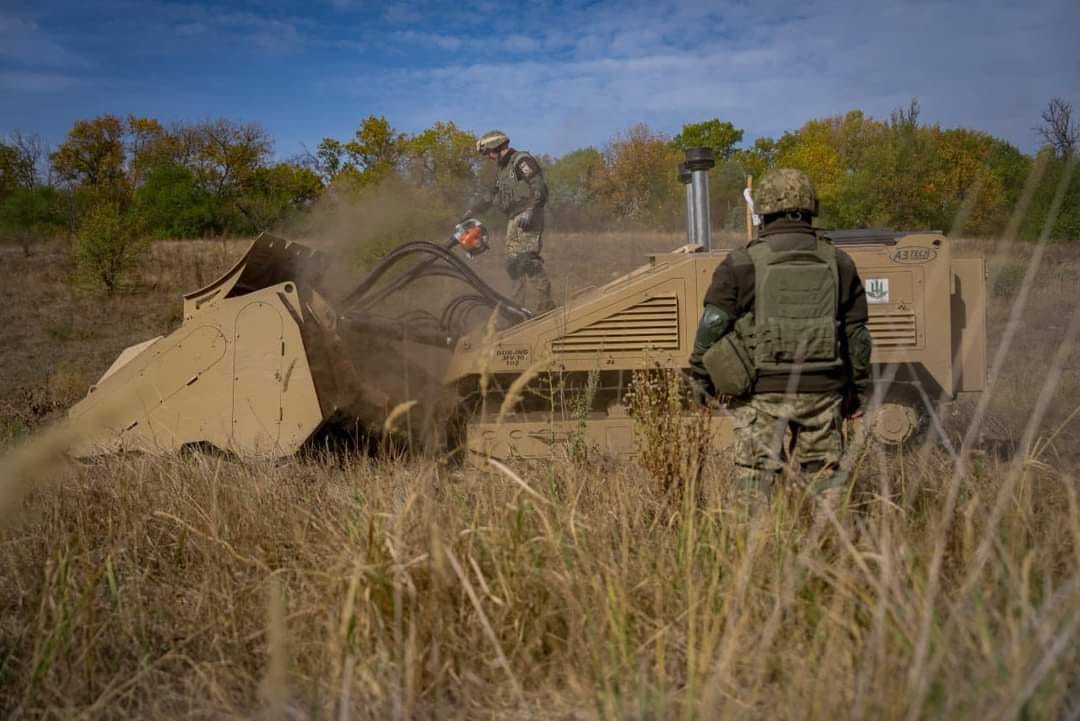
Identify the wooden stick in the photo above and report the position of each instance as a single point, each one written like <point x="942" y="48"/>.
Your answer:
<point x="749" y="211"/>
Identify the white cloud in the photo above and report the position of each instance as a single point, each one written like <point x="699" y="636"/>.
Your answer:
<point x="560" y="75"/>
<point x="520" y="44"/>
<point x="584" y="74"/>
<point x="24" y="42"/>
<point x="413" y="38"/>
<point x="402" y="14"/>
<point x="32" y="82"/>
<point x="191" y="29"/>
<point x="268" y="34"/>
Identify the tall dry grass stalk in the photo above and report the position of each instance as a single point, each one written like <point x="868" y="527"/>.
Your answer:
<point x="200" y="587"/>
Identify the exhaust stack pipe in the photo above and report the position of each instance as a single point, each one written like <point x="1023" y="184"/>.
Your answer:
<point x="684" y="178"/>
<point x="698" y="162"/>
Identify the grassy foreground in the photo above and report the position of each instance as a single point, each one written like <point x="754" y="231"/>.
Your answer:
<point x="201" y="588"/>
<point x="351" y="588"/>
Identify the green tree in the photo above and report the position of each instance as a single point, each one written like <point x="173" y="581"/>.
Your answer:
<point x="30" y="215"/>
<point x="375" y="148"/>
<point x="229" y="154"/>
<point x="8" y="169"/>
<point x="637" y="180"/>
<point x="719" y="135"/>
<point x="443" y="158"/>
<point x="910" y="200"/>
<point x="814" y="150"/>
<point x="1056" y="172"/>
<point x="372" y="155"/>
<point x="148" y="145"/>
<point x="17" y="167"/>
<point x="866" y="156"/>
<point x="172" y="204"/>
<point x="758" y="158"/>
<point x="570" y="181"/>
<point x="108" y="246"/>
<point x="226" y="157"/>
<point x="276" y="192"/>
<point x="93" y="155"/>
<point x="330" y="159"/>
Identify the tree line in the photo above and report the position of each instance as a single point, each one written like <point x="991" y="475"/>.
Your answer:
<point x="116" y="183"/>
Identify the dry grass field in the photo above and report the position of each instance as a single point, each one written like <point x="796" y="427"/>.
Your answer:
<point x="395" y="588"/>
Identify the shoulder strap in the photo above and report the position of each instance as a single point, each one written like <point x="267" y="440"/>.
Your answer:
<point x="827" y="252"/>
<point x="761" y="256"/>
<point x="524" y="166"/>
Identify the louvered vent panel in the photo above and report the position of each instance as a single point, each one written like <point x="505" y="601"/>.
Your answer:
<point x="652" y="324"/>
<point x="893" y="330"/>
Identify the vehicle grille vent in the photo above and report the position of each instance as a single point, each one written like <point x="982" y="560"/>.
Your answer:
<point x="652" y="324"/>
<point x="893" y="330"/>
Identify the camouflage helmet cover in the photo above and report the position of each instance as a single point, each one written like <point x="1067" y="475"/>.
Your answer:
<point x="492" y="140"/>
<point x="785" y="190"/>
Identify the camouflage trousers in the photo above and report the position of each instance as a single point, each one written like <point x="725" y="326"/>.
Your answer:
<point x="775" y="431"/>
<point x="525" y="266"/>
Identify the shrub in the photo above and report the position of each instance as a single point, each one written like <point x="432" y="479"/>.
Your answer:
<point x="674" y="441"/>
<point x="108" y="245"/>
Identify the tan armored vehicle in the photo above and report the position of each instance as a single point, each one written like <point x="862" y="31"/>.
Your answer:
<point x="274" y="354"/>
<point x="927" y="319"/>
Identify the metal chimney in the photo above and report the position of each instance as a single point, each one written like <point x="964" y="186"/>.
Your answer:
<point x="698" y="162"/>
<point x="684" y="178"/>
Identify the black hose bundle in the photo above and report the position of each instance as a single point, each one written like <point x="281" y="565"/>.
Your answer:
<point x="423" y="326"/>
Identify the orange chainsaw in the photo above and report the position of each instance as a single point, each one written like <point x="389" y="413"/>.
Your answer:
<point x="471" y="235"/>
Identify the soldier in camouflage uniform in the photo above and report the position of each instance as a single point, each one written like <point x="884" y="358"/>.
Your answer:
<point x="520" y="192"/>
<point x="806" y="335"/>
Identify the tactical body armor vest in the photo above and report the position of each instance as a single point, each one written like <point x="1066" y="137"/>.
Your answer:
<point x="512" y="195"/>
<point x="796" y="297"/>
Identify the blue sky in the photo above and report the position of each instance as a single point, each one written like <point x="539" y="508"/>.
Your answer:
<point x="555" y="75"/>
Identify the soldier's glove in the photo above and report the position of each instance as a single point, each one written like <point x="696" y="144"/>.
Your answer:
<point x="524" y="218"/>
<point x="700" y="389"/>
<point x="466" y="215"/>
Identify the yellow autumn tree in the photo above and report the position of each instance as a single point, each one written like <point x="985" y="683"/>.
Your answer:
<point x="815" y="151"/>
<point x="636" y="178"/>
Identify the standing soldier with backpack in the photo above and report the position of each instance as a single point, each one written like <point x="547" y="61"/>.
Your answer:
<point x="520" y="192"/>
<point x="784" y="330"/>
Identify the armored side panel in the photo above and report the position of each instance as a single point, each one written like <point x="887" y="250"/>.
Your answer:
<point x="968" y="306"/>
<point x="649" y="314"/>
<point x="538" y="438"/>
<point x="908" y="282"/>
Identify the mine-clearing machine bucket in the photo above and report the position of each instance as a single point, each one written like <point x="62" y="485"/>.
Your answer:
<point x="256" y="367"/>
<point x="284" y="344"/>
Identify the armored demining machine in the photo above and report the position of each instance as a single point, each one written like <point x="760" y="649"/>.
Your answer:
<point x="274" y="354"/>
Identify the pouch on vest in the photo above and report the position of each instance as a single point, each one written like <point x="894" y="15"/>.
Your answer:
<point x="730" y="362"/>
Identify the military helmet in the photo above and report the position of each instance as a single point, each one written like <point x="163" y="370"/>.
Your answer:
<point x="785" y="190"/>
<point x="492" y="140"/>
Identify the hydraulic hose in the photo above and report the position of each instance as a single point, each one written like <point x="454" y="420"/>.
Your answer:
<point x="457" y="268"/>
